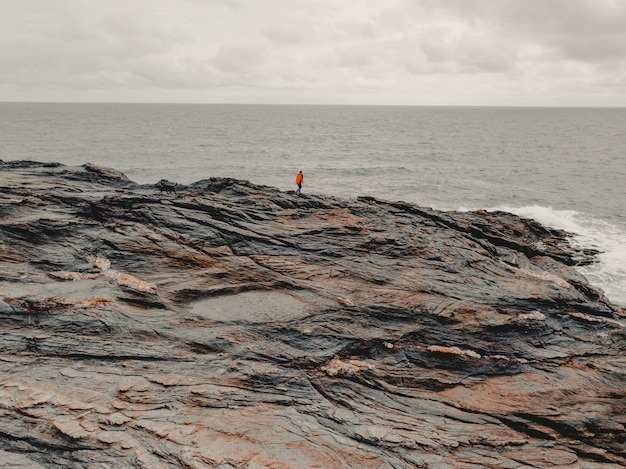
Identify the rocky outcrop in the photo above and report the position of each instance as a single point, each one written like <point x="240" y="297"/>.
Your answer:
<point x="234" y="325"/>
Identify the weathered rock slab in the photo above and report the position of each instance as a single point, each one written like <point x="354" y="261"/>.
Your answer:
<point x="234" y="325"/>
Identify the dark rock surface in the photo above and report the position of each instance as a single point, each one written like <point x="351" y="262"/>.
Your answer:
<point x="233" y="325"/>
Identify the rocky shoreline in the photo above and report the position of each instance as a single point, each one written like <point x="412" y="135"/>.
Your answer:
<point x="235" y="325"/>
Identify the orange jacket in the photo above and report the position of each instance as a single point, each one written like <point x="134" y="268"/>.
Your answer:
<point x="299" y="178"/>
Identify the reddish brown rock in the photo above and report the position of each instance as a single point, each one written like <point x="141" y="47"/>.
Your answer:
<point x="233" y="325"/>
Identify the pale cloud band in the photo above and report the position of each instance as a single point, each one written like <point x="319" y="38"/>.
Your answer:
<point x="448" y="52"/>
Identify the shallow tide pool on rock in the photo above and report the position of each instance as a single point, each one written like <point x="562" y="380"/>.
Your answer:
<point x="254" y="306"/>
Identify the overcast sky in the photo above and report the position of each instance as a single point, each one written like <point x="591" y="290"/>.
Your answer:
<point x="415" y="52"/>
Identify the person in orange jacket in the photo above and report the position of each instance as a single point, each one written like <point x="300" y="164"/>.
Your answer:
<point x="299" y="181"/>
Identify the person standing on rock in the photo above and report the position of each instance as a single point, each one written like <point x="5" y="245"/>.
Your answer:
<point x="299" y="181"/>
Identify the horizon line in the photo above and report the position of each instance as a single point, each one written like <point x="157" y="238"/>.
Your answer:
<point x="578" y="106"/>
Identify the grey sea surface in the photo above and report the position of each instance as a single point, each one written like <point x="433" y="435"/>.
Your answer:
<point x="564" y="167"/>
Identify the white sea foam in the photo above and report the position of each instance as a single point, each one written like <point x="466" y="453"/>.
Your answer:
<point x="609" y="272"/>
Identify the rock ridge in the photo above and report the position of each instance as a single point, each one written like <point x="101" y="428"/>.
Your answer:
<point x="236" y="325"/>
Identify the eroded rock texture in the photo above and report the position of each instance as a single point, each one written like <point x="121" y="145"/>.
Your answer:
<point x="232" y="325"/>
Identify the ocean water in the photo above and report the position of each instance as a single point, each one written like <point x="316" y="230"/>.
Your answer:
<point x="564" y="167"/>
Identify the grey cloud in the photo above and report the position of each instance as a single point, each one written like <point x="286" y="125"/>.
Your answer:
<point x="587" y="30"/>
<point x="313" y="46"/>
<point x="360" y="30"/>
<point x="595" y="49"/>
<point x="78" y="50"/>
<point x="284" y="36"/>
<point x="359" y="58"/>
<point x="470" y="54"/>
<point x="239" y="58"/>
